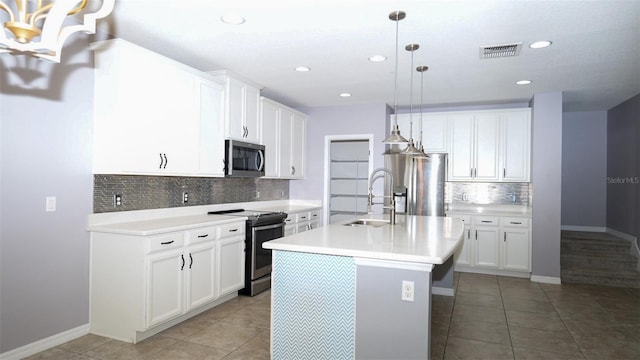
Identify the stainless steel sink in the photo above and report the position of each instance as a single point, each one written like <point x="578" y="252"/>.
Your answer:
<point x="368" y="222"/>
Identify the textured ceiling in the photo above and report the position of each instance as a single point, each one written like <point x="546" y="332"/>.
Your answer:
<point x="594" y="59"/>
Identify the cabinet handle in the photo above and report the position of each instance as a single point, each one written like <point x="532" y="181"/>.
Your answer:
<point x="166" y="242"/>
<point x="190" y="260"/>
<point x="203" y="236"/>
<point x="515" y="222"/>
<point x="476" y="234"/>
<point x="161" y="161"/>
<point x="233" y="230"/>
<point x="315" y="215"/>
<point x="505" y="237"/>
<point x="469" y="234"/>
<point x="486" y="221"/>
<point x="293" y="170"/>
<point x="471" y="172"/>
<point x="504" y="172"/>
<point x="182" y="267"/>
<point x="165" y="161"/>
<point x="303" y="217"/>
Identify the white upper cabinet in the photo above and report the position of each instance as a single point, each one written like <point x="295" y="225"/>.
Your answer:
<point x="212" y="99"/>
<point x="242" y="120"/>
<point x="143" y="126"/>
<point x="489" y="146"/>
<point x="516" y="146"/>
<point x="434" y="130"/>
<point x="284" y="137"/>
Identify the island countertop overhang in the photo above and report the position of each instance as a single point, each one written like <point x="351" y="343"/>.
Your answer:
<point x="419" y="239"/>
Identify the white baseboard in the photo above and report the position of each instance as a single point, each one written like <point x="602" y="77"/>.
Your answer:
<point x="442" y="291"/>
<point x="622" y="235"/>
<point x="546" y="279"/>
<point x="584" y="228"/>
<point x="45" y="344"/>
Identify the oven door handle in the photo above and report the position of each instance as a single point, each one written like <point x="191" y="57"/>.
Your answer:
<point x="267" y="227"/>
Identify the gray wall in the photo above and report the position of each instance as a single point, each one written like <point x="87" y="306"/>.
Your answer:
<point x="336" y="120"/>
<point x="623" y="167"/>
<point x="584" y="169"/>
<point x="546" y="179"/>
<point x="46" y="151"/>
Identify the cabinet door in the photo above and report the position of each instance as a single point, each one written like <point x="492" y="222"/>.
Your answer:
<point x="200" y="269"/>
<point x="515" y="254"/>
<point x="463" y="256"/>
<point x="231" y="255"/>
<point x="285" y="168"/>
<point x="234" y="125"/>
<point x="212" y="101"/>
<point x="434" y="133"/>
<point x="486" y="147"/>
<point x="487" y="247"/>
<point x="251" y="114"/>
<point x="165" y="286"/>
<point x="270" y="136"/>
<point x="462" y="148"/>
<point x="298" y="145"/>
<point x="516" y="140"/>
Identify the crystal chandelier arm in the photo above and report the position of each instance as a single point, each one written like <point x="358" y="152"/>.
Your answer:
<point x="4" y="7"/>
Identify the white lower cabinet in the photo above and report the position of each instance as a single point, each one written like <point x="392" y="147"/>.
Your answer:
<point x="494" y="245"/>
<point x="297" y="222"/>
<point x="144" y="284"/>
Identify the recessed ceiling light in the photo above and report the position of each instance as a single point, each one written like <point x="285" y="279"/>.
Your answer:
<point x="345" y="94"/>
<point x="523" y="82"/>
<point x="303" y="68"/>
<point x="377" y="58"/>
<point x="232" y="19"/>
<point x="540" y="44"/>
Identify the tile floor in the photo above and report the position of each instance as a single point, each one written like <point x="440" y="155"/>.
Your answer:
<point x="491" y="317"/>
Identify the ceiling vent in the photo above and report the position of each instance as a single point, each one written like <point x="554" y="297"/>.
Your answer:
<point x="500" y="51"/>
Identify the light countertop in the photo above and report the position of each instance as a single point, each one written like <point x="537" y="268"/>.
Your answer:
<point x="419" y="239"/>
<point x="160" y="221"/>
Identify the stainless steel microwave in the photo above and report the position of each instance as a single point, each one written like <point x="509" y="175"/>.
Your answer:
<point x="243" y="159"/>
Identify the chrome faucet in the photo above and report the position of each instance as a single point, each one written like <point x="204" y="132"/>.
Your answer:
<point x="392" y="202"/>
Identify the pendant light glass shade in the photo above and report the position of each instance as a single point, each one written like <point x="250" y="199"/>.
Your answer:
<point x="421" y="70"/>
<point x="395" y="137"/>
<point x="411" y="149"/>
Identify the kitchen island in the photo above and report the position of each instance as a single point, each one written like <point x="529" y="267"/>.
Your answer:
<point x="358" y="291"/>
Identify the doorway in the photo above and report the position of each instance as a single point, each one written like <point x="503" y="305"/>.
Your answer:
<point x="348" y="163"/>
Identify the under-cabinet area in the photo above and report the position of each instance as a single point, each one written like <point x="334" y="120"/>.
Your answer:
<point x="142" y="284"/>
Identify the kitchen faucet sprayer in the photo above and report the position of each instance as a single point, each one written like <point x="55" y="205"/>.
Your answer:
<point x="392" y="202"/>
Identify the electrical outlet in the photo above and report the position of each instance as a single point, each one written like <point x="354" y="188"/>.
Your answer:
<point x="407" y="290"/>
<point x="50" y="204"/>
<point x="185" y="197"/>
<point x="117" y="200"/>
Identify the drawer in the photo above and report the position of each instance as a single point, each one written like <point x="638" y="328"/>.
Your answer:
<point x="291" y="219"/>
<point x="165" y="242"/>
<point x="231" y="229"/>
<point x="466" y="219"/>
<point x="515" y="222"/>
<point x="486" y="221"/>
<point x="202" y="234"/>
<point x="302" y="217"/>
<point x="314" y="215"/>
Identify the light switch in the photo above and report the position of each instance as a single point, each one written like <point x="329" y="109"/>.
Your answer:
<point x="50" y="204"/>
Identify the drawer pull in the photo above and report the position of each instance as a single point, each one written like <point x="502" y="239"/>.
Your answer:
<point x="166" y="242"/>
<point x="303" y="217"/>
<point x="203" y="236"/>
<point x="315" y="215"/>
<point x="233" y="230"/>
<point x="486" y="221"/>
<point x="515" y="222"/>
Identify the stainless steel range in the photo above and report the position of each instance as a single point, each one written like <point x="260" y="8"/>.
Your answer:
<point x="261" y="226"/>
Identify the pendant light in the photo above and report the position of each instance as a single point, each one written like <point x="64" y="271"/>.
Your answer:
<point x="421" y="70"/>
<point x="395" y="137"/>
<point x="411" y="149"/>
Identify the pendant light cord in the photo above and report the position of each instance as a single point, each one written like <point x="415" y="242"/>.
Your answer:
<point x="395" y="86"/>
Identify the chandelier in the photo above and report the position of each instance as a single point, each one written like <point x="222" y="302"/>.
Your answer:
<point x="37" y="27"/>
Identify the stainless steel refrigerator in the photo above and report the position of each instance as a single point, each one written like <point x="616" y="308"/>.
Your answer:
<point x="418" y="183"/>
